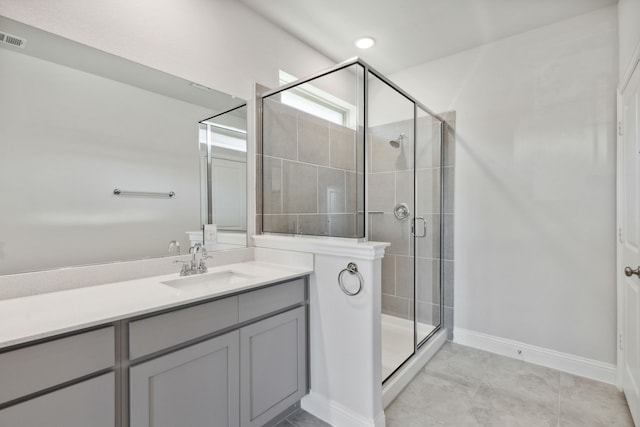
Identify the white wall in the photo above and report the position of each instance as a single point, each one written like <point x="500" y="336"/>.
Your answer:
<point x="535" y="182"/>
<point x="629" y="33"/>
<point x="69" y="139"/>
<point x="218" y="43"/>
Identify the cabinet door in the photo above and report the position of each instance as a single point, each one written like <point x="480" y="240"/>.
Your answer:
<point x="194" y="387"/>
<point x="89" y="403"/>
<point x="273" y="366"/>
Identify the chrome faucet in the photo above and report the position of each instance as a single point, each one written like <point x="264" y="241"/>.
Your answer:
<point x="193" y="266"/>
<point x="197" y="268"/>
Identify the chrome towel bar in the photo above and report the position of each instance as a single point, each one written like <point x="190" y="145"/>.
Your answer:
<point x="119" y="192"/>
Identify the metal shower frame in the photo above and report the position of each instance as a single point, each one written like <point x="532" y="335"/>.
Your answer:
<point x="369" y="70"/>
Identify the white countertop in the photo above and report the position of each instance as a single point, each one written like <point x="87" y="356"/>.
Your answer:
<point x="39" y="316"/>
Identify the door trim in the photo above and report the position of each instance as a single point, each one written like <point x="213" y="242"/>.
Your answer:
<point x="618" y="231"/>
<point x="631" y="67"/>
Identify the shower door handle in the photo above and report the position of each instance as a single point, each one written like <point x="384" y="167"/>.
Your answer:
<point x="424" y="227"/>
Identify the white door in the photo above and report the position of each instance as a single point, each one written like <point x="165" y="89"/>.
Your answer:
<point x="629" y="298"/>
<point x="229" y="179"/>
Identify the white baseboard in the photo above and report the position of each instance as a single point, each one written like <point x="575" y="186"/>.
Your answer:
<point x="401" y="379"/>
<point x="336" y="414"/>
<point x="577" y="365"/>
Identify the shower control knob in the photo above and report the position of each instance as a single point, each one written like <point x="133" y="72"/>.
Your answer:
<point x="401" y="211"/>
<point x="628" y="271"/>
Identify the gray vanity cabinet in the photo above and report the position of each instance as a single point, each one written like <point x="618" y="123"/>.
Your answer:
<point x="62" y="382"/>
<point x="88" y="403"/>
<point x="272" y="366"/>
<point x="195" y="386"/>
<point x="231" y="362"/>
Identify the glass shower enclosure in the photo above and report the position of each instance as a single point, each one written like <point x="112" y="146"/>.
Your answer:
<point x="346" y="153"/>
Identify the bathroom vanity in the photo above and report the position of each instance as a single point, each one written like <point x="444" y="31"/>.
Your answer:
<point x="228" y="346"/>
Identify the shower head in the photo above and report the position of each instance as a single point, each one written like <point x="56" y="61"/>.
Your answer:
<point x="395" y="143"/>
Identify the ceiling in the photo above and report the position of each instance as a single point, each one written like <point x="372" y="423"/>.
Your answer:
<point x="412" y="32"/>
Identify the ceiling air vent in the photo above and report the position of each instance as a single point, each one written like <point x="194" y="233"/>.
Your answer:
<point x="12" y="40"/>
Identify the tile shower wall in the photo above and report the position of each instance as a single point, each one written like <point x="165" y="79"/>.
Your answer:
<point x="310" y="174"/>
<point x="449" y="157"/>
<point x="390" y="183"/>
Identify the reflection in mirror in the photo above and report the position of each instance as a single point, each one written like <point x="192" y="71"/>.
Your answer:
<point x="76" y="124"/>
<point x="223" y="147"/>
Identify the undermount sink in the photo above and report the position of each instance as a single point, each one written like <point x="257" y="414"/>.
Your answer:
<point x="209" y="281"/>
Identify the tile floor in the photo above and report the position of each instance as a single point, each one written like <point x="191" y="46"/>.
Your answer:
<point x="465" y="387"/>
<point x="462" y="386"/>
<point x="301" y="418"/>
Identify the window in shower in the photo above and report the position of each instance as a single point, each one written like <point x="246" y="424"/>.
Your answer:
<point x="317" y="102"/>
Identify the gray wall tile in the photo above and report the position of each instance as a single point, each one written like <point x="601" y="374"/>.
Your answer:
<point x="316" y="225"/>
<point x="360" y="224"/>
<point x="258" y="185"/>
<point x="447" y="282"/>
<point x="331" y="190"/>
<point x="404" y="276"/>
<point x="429" y="246"/>
<point x="384" y="157"/>
<point x="382" y="191"/>
<point x="404" y="189"/>
<point x="342" y="147"/>
<point x="342" y="225"/>
<point x="389" y="274"/>
<point x="428" y="143"/>
<point x="449" y="183"/>
<point x="355" y="192"/>
<point x="428" y="313"/>
<point x="428" y="191"/>
<point x="299" y="189"/>
<point x="313" y="139"/>
<point x="449" y="322"/>
<point x="449" y="142"/>
<point x="395" y="306"/>
<point x="428" y="280"/>
<point x="447" y="246"/>
<point x="280" y="130"/>
<point x="386" y="228"/>
<point x="361" y="150"/>
<point x="280" y="224"/>
<point x="272" y="183"/>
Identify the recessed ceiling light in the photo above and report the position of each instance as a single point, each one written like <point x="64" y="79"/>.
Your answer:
<point x="364" y="42"/>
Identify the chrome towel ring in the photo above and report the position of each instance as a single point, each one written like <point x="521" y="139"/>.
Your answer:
<point x="352" y="268"/>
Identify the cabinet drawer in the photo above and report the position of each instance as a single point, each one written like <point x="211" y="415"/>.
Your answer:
<point x="37" y="367"/>
<point x="156" y="333"/>
<point x="89" y="403"/>
<point x="267" y="300"/>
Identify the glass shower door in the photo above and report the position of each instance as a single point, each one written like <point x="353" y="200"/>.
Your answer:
<point x="391" y="207"/>
<point x="427" y="222"/>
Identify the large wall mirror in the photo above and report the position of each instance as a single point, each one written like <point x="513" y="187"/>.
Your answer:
<point x="76" y="124"/>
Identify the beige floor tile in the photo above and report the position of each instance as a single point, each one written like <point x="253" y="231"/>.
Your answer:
<point x="438" y="397"/>
<point x="465" y="387"/>
<point x="501" y="407"/>
<point x="592" y="403"/>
